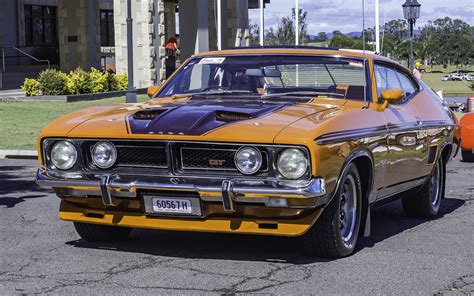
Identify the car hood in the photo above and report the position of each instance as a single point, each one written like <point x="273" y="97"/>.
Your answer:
<point x="208" y="120"/>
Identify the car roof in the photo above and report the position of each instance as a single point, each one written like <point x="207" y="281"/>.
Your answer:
<point x="306" y="50"/>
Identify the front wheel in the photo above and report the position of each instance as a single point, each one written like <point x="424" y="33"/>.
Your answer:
<point x="101" y="233"/>
<point x="334" y="235"/>
<point x="426" y="202"/>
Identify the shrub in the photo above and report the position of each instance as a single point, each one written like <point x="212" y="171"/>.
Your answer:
<point x="99" y="81"/>
<point x="118" y="81"/>
<point x="53" y="82"/>
<point x="31" y="87"/>
<point x="79" y="82"/>
<point x="122" y="81"/>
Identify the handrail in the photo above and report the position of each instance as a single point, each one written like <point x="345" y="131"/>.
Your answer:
<point x="23" y="52"/>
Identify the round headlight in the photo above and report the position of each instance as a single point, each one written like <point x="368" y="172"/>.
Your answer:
<point x="292" y="163"/>
<point x="104" y="154"/>
<point x="63" y="155"/>
<point x="248" y="160"/>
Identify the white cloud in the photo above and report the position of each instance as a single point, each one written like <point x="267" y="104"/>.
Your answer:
<point x="346" y="15"/>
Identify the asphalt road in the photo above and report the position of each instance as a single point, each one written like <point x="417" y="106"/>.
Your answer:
<point x="41" y="254"/>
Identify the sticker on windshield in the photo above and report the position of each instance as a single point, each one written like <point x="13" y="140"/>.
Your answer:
<point x="358" y="64"/>
<point x="212" y="61"/>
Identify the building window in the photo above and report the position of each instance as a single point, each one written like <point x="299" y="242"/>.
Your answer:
<point x="41" y="25"/>
<point x="107" y="27"/>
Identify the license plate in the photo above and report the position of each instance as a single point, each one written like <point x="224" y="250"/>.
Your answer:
<point x="171" y="205"/>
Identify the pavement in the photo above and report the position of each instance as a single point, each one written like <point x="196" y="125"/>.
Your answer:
<point x="41" y="254"/>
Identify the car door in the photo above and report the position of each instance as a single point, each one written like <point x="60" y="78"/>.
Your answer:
<point x="406" y="151"/>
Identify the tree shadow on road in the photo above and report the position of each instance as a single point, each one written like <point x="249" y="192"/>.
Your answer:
<point x="387" y="222"/>
<point x="16" y="179"/>
<point x="10" y="202"/>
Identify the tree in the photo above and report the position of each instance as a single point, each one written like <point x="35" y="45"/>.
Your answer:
<point x="342" y="41"/>
<point x="446" y="41"/>
<point x="395" y="41"/>
<point x="284" y="33"/>
<point x="254" y="34"/>
<point x="322" y="36"/>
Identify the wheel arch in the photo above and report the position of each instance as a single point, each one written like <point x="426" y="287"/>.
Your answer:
<point x="364" y="162"/>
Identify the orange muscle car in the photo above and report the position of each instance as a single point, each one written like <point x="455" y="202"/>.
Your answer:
<point x="467" y="136"/>
<point x="274" y="141"/>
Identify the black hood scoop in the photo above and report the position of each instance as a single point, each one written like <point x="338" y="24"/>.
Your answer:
<point x="197" y="117"/>
<point x="148" y="114"/>
<point x="230" y="116"/>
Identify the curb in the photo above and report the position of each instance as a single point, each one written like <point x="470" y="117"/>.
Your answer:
<point x="19" y="154"/>
<point x="72" y="98"/>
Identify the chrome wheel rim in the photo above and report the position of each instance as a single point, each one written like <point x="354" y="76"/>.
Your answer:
<point x="348" y="209"/>
<point x="435" y="185"/>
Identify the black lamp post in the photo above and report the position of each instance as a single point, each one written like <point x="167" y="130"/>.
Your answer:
<point x="131" y="93"/>
<point x="411" y="12"/>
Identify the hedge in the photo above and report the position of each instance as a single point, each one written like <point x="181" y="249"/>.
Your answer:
<point x="54" y="82"/>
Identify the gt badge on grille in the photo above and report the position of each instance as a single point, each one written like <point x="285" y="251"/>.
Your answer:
<point x="216" y="162"/>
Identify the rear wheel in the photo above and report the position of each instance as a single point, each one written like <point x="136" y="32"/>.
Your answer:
<point x="101" y="233"/>
<point x="334" y="235"/>
<point x="467" y="155"/>
<point x="426" y="202"/>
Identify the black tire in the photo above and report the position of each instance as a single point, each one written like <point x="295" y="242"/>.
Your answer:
<point x="467" y="156"/>
<point x="101" y="233"/>
<point x="326" y="238"/>
<point x="426" y="202"/>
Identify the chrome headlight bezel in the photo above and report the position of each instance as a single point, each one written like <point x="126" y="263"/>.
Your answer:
<point x="113" y="154"/>
<point x="295" y="154"/>
<point x="256" y="153"/>
<point x="73" y="155"/>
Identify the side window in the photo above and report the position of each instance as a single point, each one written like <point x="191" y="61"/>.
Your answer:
<point x="388" y="78"/>
<point x="407" y="85"/>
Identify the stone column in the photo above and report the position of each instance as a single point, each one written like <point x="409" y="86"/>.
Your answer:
<point x="148" y="40"/>
<point x="193" y="27"/>
<point x="79" y="34"/>
<point x="235" y="21"/>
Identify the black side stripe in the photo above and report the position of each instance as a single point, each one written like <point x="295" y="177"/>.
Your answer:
<point x="379" y="131"/>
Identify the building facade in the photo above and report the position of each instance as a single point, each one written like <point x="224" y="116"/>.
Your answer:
<point x="93" y="33"/>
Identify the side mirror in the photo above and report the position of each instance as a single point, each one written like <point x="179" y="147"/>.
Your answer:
<point x="390" y="96"/>
<point x="152" y="90"/>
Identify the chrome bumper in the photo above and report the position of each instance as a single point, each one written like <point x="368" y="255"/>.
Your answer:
<point x="272" y="193"/>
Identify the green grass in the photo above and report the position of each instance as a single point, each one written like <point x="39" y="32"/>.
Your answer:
<point x="451" y="88"/>
<point x="21" y="122"/>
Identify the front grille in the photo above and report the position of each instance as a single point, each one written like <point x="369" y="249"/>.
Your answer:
<point x="190" y="158"/>
<point x="212" y="159"/>
<point x="203" y="157"/>
<point x="147" y="156"/>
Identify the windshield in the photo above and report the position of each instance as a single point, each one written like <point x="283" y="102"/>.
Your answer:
<point x="270" y="75"/>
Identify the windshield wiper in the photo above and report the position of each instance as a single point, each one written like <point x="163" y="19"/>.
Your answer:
<point x="212" y="93"/>
<point x="302" y="94"/>
<point x="222" y="92"/>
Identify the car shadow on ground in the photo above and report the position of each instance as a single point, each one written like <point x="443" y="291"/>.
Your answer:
<point x="13" y="182"/>
<point x="390" y="220"/>
<point x="387" y="221"/>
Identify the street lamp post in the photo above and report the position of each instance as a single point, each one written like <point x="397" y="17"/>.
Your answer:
<point x="411" y="12"/>
<point x="131" y="94"/>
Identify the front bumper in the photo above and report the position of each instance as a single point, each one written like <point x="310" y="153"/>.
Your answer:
<point x="270" y="193"/>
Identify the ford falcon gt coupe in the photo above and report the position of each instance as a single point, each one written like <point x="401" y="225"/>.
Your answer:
<point x="272" y="141"/>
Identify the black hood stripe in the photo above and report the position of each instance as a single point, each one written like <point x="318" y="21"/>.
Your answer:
<point x="199" y="117"/>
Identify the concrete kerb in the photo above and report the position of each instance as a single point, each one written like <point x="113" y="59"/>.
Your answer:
<point x="19" y="154"/>
<point x="72" y="98"/>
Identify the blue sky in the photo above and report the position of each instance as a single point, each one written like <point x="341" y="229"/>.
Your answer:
<point x="346" y="15"/>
